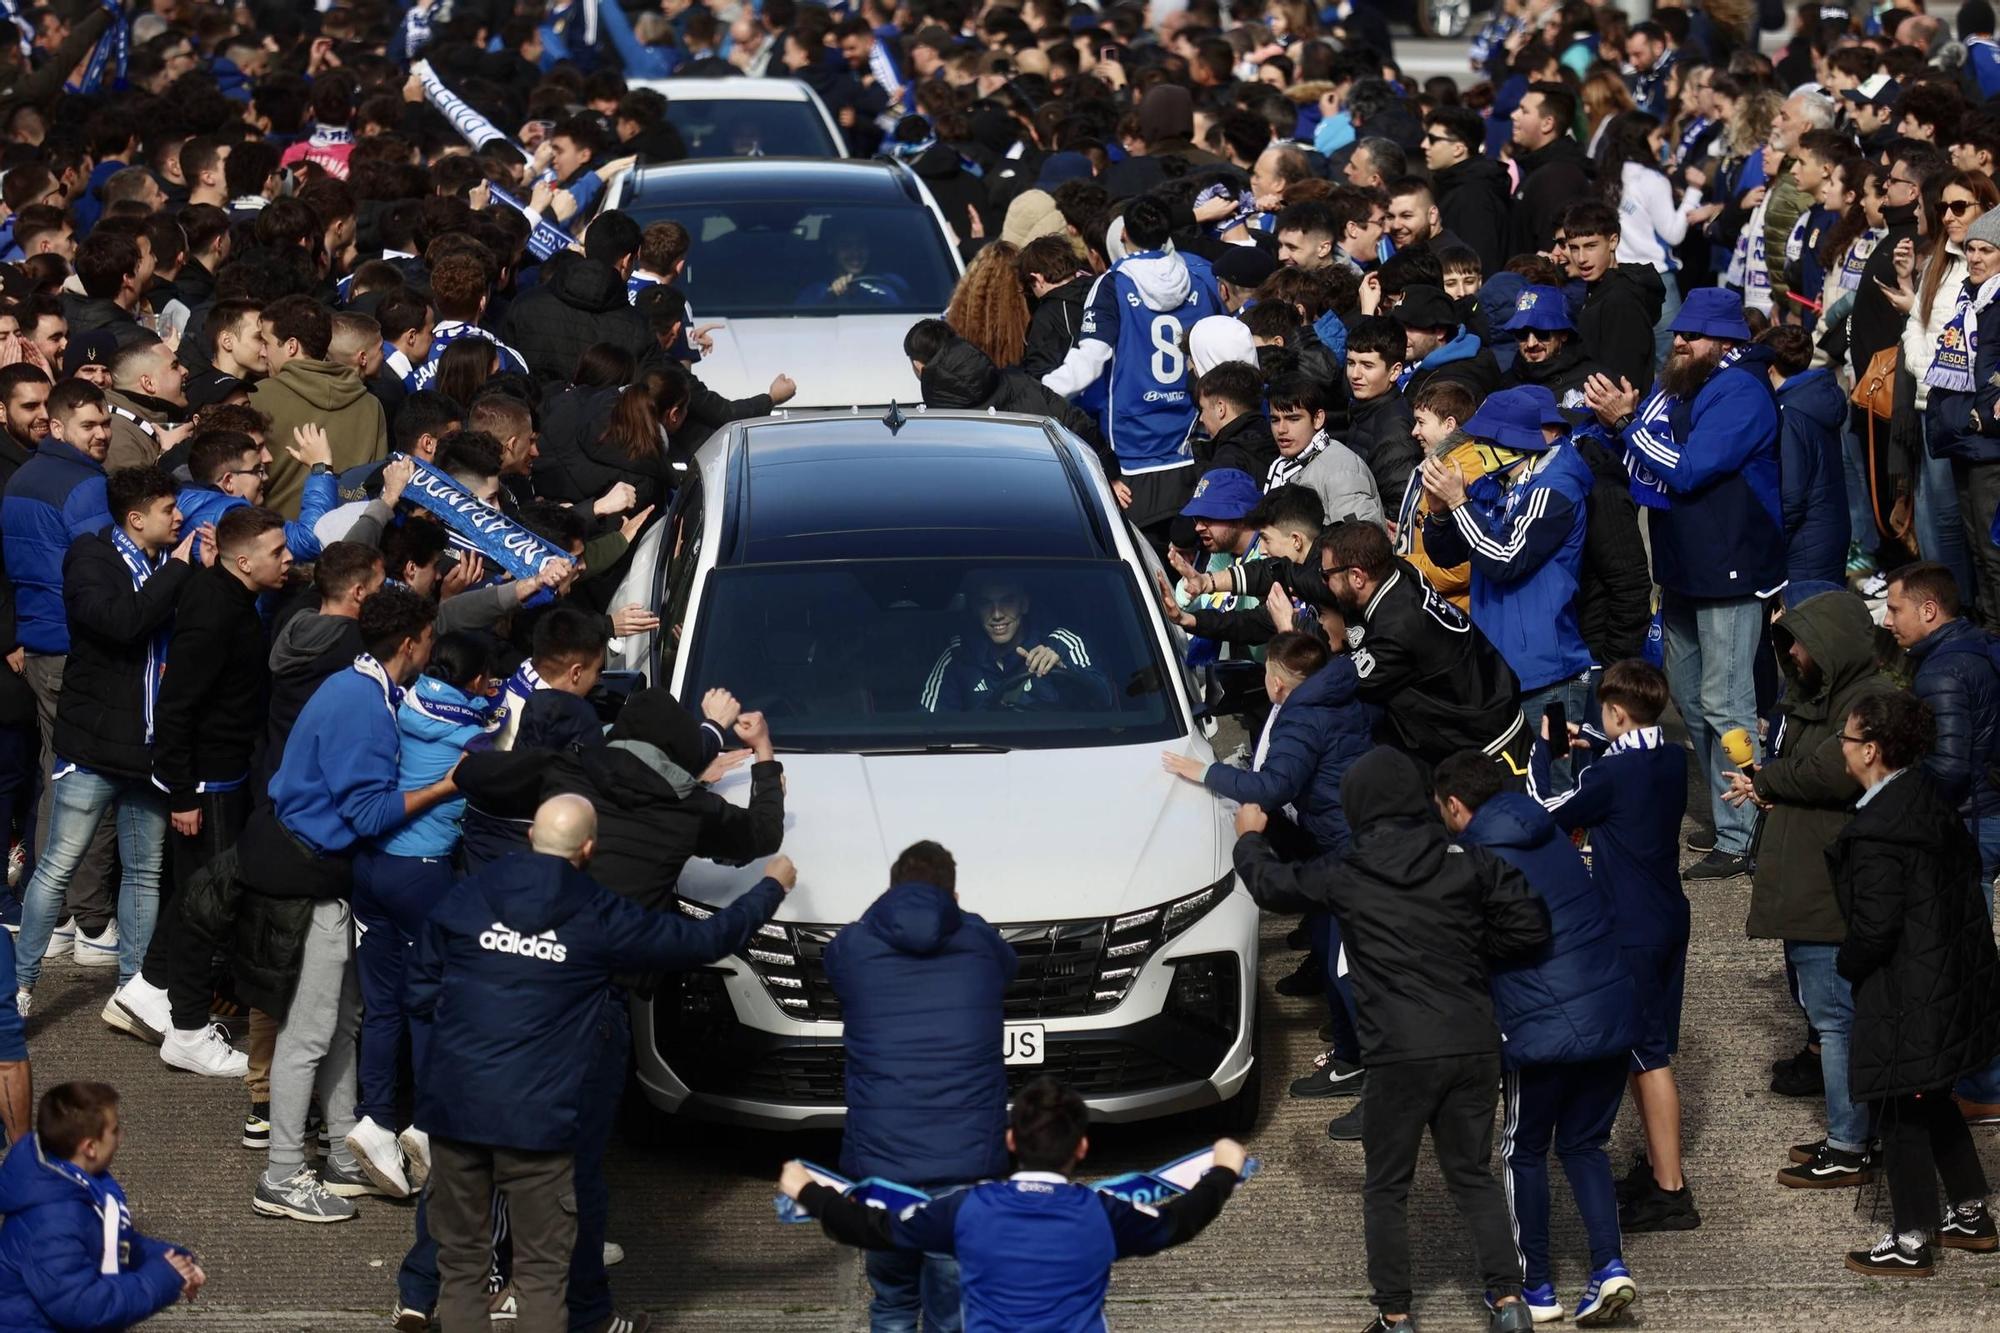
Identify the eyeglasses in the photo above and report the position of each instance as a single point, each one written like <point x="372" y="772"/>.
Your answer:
<point x="1846" y="739"/>
<point x="259" y="471"/>
<point x="1959" y="207"/>
<point x="1898" y="180"/>
<point x="1536" y="335"/>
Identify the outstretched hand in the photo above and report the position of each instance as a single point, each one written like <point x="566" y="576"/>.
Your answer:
<point x="1251" y="819"/>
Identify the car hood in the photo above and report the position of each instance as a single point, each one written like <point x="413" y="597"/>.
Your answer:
<point x="1039" y="835"/>
<point x="836" y="360"/>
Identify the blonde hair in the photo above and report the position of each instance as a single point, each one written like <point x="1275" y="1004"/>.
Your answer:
<point x="1604" y="94"/>
<point x="989" y="309"/>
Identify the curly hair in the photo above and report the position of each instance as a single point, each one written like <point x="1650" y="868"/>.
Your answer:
<point x="1900" y="724"/>
<point x="989" y="309"/>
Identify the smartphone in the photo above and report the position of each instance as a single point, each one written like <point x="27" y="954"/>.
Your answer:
<point x="1558" y="720"/>
<point x="1115" y="54"/>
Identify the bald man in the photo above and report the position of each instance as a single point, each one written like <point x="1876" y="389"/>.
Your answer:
<point x="510" y="991"/>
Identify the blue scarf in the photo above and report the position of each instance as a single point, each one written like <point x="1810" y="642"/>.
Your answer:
<point x="114" y="43"/>
<point x="1951" y="365"/>
<point x="143" y="567"/>
<point x="544" y="237"/>
<point x="483" y="528"/>
<point x="392" y="693"/>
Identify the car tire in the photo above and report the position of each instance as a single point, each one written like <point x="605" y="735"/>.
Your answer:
<point x="1444" y="18"/>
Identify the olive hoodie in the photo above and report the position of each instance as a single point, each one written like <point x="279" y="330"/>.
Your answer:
<point x="331" y="396"/>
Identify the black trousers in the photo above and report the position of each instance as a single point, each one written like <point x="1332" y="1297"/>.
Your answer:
<point x="1924" y="1140"/>
<point x="1454" y="1098"/>
<point x="172" y="952"/>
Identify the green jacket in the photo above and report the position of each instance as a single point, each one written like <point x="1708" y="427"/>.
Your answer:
<point x="1807" y="782"/>
<point x="1783" y="204"/>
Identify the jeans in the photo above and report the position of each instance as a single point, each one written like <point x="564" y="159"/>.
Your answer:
<point x="1978" y="489"/>
<point x="1829" y="1003"/>
<point x="906" y="1284"/>
<point x="1572" y="1106"/>
<point x="1663" y="338"/>
<point x="1860" y="513"/>
<point x="1452" y="1097"/>
<point x="80" y="801"/>
<point x="1984" y="1086"/>
<point x="1710" y="645"/>
<point x="89" y="894"/>
<point x="392" y="896"/>
<point x="1940" y="533"/>
<point x="1574" y="695"/>
<point x="597" y="1114"/>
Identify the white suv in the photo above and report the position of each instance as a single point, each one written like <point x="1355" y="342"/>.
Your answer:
<point x="820" y="566"/>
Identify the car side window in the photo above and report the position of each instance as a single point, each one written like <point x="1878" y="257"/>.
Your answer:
<point x="680" y="556"/>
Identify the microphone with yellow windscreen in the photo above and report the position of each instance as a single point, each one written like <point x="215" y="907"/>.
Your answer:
<point x="1736" y="744"/>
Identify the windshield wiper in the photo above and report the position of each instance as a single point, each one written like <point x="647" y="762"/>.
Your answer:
<point x="943" y="747"/>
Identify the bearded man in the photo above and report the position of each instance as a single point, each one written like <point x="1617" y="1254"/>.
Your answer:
<point x="1703" y="451"/>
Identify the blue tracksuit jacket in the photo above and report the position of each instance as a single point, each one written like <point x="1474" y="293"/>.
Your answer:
<point x="52" y="1251"/>
<point x="56" y="497"/>
<point x="1632" y="798"/>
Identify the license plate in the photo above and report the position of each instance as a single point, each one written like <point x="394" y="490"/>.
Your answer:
<point x="1026" y="1044"/>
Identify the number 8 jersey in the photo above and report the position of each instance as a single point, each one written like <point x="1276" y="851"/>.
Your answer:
<point x="1142" y="309"/>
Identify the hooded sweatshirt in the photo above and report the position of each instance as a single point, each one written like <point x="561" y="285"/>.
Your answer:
<point x="583" y="301"/>
<point x="70" y="1258"/>
<point x="922" y="986"/>
<point x="1138" y="315"/>
<point x="1812" y="414"/>
<point x="1419" y="915"/>
<point x="309" y="648"/>
<point x="330" y="396"/>
<point x="437" y="723"/>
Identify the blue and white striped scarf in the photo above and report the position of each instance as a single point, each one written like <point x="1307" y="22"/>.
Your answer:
<point x="143" y="567"/>
<point x="1957" y="342"/>
<point x="114" y="44"/>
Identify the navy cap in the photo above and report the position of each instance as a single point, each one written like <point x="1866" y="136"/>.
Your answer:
<point x="1541" y="308"/>
<point x="1060" y="167"/>
<point x="1223" y="492"/>
<point x="95" y="348"/>
<point x="1711" y="312"/>
<point x="1245" y="266"/>
<point x="210" y="387"/>
<point x="1512" y="419"/>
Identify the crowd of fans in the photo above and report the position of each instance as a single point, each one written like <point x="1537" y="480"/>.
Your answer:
<point x="1488" y="434"/>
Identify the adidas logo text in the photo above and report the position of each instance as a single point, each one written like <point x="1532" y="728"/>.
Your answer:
<point x="502" y="939"/>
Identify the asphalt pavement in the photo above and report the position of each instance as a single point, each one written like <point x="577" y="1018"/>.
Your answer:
<point x="692" y="1202"/>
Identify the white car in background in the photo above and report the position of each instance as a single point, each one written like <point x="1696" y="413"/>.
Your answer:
<point x="814" y="268"/>
<point x="819" y="565"/>
<point x="743" y="117"/>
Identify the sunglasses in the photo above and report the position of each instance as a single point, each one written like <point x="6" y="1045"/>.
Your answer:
<point x="1960" y="207"/>
<point x="1536" y="335"/>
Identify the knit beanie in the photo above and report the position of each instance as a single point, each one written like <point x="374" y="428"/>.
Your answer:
<point x="1986" y="229"/>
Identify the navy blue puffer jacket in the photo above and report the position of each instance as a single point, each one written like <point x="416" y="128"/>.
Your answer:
<point x="1812" y="411"/>
<point x="1955" y="676"/>
<point x="1319" y="732"/>
<point x="922" y="989"/>
<point x="1573" y="1000"/>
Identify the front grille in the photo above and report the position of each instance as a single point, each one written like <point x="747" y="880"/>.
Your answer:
<point x="811" y="1074"/>
<point x="1069" y="969"/>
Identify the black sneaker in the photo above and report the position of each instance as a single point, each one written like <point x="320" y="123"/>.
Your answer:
<point x="1891" y="1258"/>
<point x="1636" y="1182"/>
<point x="1330" y="1078"/>
<point x="1799" y="1076"/>
<point x="1701" y="840"/>
<point x="1719" y="865"/>
<point x="1803" y="1153"/>
<point x="1308" y="978"/>
<point x="1968" y="1227"/>
<point x="1656" y="1209"/>
<point x="1298" y="937"/>
<point x="1829" y="1169"/>
<point x="1346" y="1128"/>
<point x="257" y="1127"/>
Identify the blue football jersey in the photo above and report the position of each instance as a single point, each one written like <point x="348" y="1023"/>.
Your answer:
<point x="1149" y="408"/>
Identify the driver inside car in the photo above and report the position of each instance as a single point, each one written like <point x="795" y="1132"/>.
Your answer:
<point x="854" y="284"/>
<point x="1009" y="661"/>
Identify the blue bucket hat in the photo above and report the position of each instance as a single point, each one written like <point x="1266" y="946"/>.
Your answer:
<point x="1710" y="312"/>
<point x="1513" y="419"/>
<point x="1544" y="400"/>
<point x="1541" y="308"/>
<point x="1225" y="492"/>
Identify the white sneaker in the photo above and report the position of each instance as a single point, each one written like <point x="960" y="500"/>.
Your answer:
<point x="614" y="1254"/>
<point x="203" y="1051"/>
<point x="62" y="941"/>
<point x="375" y="1148"/>
<point x="24" y="1000"/>
<point x="416" y="1156"/>
<point x="98" y="950"/>
<point x="140" y="1009"/>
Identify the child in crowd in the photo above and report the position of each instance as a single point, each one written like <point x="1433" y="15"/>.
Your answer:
<point x="1308" y="456"/>
<point x="1379" y="417"/>
<point x="1632" y="799"/>
<point x="1035" y="1250"/>
<point x="1462" y="275"/>
<point x="70" y="1257"/>
<point x="1439" y="413"/>
<point x="396" y="884"/>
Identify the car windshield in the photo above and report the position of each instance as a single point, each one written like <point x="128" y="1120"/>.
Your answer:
<point x="725" y="128"/>
<point x="774" y="259"/>
<point x="919" y="655"/>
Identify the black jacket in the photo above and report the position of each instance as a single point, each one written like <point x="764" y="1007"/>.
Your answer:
<point x="88" y="314"/>
<point x="960" y="195"/>
<point x="1614" y="589"/>
<point x="1419" y="916"/>
<point x="1618" y="318"/>
<point x="1919" y="948"/>
<point x="1473" y="205"/>
<point x="1440" y="684"/>
<point x="1479" y="373"/>
<point x="1378" y="429"/>
<point x="1052" y="328"/>
<point x="1552" y="178"/>
<point x="1874" y="323"/>
<point x="212" y="700"/>
<point x="962" y="376"/>
<point x="576" y="466"/>
<point x="581" y="302"/>
<point x="101" y="712"/>
<point x="1562" y="375"/>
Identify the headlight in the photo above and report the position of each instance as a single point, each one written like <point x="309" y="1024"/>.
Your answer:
<point x="1136" y="936"/>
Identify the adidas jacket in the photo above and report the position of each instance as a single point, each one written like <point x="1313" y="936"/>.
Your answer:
<point x="513" y="979"/>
